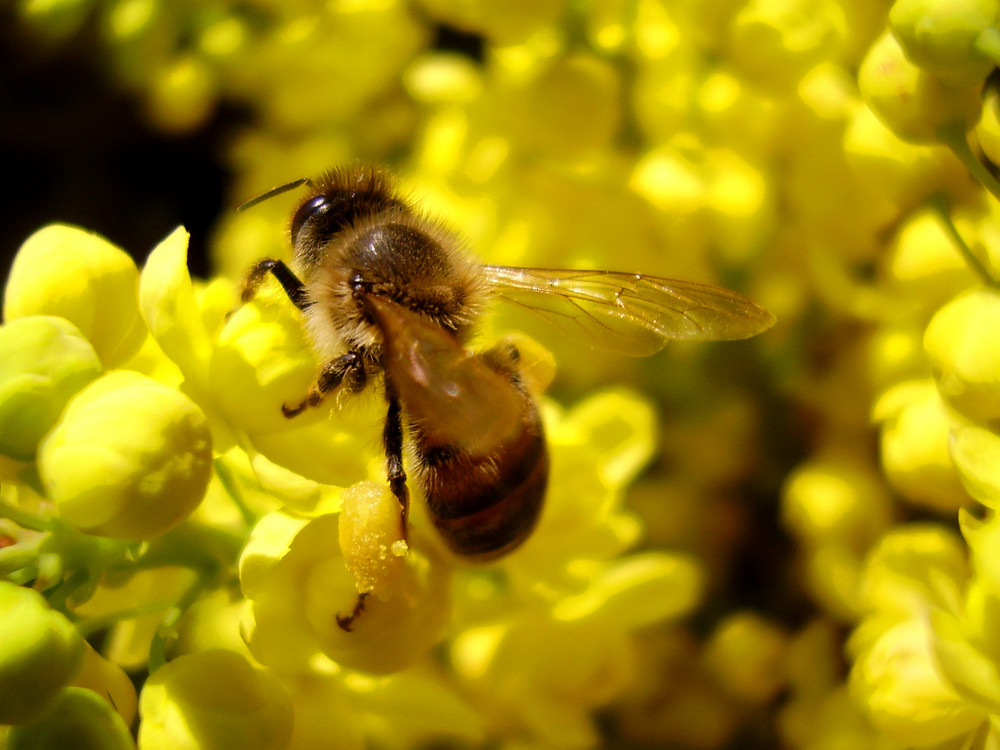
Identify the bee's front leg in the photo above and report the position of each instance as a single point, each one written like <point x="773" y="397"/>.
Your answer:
<point x="291" y="283"/>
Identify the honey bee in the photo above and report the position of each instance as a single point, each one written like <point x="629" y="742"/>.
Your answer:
<point x="388" y="294"/>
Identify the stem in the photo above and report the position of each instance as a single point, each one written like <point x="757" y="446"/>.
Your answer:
<point x="167" y="629"/>
<point x="225" y="475"/>
<point x="973" y="260"/>
<point x="25" y="520"/>
<point x="89" y="625"/>
<point x="955" y="139"/>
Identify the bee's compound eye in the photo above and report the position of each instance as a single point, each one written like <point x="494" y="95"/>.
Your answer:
<point x="306" y="211"/>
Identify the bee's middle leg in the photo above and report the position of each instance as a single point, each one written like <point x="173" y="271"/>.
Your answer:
<point x="347" y="370"/>
<point x="392" y="441"/>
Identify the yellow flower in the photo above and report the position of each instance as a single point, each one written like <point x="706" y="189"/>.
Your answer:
<point x="747" y="655"/>
<point x="213" y="700"/>
<point x="109" y="681"/>
<point x="298" y="582"/>
<point x="901" y="686"/>
<point x="73" y="274"/>
<point x="915" y="445"/>
<point x="965" y="361"/>
<point x="129" y="458"/>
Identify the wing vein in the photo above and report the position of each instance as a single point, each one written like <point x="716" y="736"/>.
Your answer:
<point x="630" y="313"/>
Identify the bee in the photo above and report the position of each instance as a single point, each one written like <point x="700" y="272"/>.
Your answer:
<point x="388" y="294"/>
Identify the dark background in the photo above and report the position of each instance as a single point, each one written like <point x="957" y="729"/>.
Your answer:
<point x="73" y="149"/>
<point x="76" y="149"/>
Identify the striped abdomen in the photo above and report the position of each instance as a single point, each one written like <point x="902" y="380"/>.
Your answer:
<point x="486" y="505"/>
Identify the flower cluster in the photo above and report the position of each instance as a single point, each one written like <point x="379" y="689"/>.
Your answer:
<point x="161" y="496"/>
<point x="826" y="491"/>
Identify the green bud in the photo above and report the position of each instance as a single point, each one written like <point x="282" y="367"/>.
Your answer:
<point x="213" y="700"/>
<point x="65" y="271"/>
<point x="130" y="458"/>
<point x="44" y="361"/>
<point x="80" y="719"/>
<point x="942" y="38"/>
<point x="40" y="653"/>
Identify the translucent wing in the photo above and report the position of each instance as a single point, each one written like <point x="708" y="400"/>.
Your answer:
<point x="456" y="397"/>
<point x="629" y="313"/>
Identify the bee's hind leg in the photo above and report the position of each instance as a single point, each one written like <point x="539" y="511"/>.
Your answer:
<point x="392" y="441"/>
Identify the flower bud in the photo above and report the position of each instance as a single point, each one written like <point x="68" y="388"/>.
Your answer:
<point x="182" y="94"/>
<point x="130" y="458"/>
<point x="942" y="37"/>
<point x="80" y="719"/>
<point x="746" y="654"/>
<point x="964" y="357"/>
<point x="914" y="104"/>
<point x="110" y="682"/>
<point x="213" y="700"/>
<point x="835" y="499"/>
<point x="65" y="271"/>
<point x="40" y="653"/>
<point x="914" y="442"/>
<point x="976" y="453"/>
<point x="44" y="361"/>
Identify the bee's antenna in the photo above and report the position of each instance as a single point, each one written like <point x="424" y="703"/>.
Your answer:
<point x="273" y="192"/>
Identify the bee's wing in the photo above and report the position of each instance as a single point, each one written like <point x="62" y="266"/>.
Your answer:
<point x="630" y="313"/>
<point x="455" y="397"/>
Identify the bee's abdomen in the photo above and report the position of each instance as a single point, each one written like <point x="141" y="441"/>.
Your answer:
<point x="485" y="506"/>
